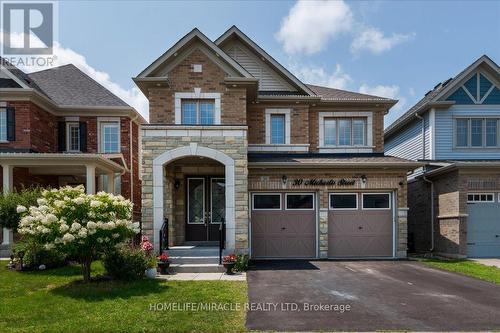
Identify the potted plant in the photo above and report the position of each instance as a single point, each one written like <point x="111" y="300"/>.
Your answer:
<point x="151" y="261"/>
<point x="163" y="263"/>
<point x="229" y="262"/>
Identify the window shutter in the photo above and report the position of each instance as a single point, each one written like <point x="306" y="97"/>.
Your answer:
<point x="11" y="124"/>
<point x="61" y="136"/>
<point x="83" y="137"/>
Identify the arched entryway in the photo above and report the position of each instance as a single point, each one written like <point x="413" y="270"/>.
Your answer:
<point x="193" y="150"/>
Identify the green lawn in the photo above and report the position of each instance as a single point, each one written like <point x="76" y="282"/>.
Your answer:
<point x="57" y="301"/>
<point x="466" y="267"/>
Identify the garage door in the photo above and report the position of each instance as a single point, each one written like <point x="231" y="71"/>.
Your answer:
<point x="360" y="225"/>
<point x="283" y="225"/>
<point x="483" y="225"/>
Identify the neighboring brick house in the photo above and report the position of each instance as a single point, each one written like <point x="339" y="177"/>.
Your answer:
<point x="454" y="199"/>
<point x="59" y="127"/>
<point x="293" y="170"/>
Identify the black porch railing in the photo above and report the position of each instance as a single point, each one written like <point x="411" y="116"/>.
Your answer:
<point x="164" y="236"/>
<point x="222" y="239"/>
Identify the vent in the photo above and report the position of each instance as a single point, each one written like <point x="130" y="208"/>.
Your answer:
<point x="197" y="68"/>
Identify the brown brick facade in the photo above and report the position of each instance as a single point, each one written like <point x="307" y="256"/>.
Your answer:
<point x="450" y="209"/>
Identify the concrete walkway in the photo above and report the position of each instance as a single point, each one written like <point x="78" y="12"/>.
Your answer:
<point x="489" y="262"/>
<point x="204" y="277"/>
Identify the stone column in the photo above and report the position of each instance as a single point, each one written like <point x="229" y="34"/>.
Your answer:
<point x="111" y="182"/>
<point x="402" y="232"/>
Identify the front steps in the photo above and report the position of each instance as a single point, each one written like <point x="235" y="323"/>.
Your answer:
<point x="194" y="259"/>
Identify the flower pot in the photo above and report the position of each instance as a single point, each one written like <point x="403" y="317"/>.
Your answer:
<point x="164" y="265"/>
<point x="229" y="267"/>
<point x="151" y="273"/>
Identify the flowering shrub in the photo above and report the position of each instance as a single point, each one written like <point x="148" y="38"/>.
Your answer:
<point x="147" y="248"/>
<point x="229" y="259"/>
<point x="163" y="257"/>
<point x="81" y="225"/>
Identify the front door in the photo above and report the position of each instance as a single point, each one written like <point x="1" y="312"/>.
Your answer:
<point x="206" y="201"/>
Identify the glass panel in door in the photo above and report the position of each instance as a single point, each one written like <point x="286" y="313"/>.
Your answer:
<point x="217" y="207"/>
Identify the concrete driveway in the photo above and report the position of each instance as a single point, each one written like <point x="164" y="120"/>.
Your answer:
<point x="382" y="295"/>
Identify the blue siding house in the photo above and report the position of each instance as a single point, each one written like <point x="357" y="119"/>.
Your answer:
<point x="454" y="200"/>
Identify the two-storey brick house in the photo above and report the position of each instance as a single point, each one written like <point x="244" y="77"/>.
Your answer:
<point x="60" y="127"/>
<point x="454" y="199"/>
<point x="293" y="170"/>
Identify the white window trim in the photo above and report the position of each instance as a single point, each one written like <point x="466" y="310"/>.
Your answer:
<point x="100" y="143"/>
<point x="197" y="94"/>
<point x="204" y="208"/>
<point x="299" y="193"/>
<point x="370" y="193"/>
<point x="342" y="193"/>
<point x="3" y="109"/>
<point x="68" y="137"/>
<point x="482" y="193"/>
<point x="267" y="193"/>
<point x="469" y="132"/>
<point x="288" y="126"/>
<point x="347" y="149"/>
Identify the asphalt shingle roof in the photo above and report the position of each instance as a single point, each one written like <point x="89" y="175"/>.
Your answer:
<point x="69" y="86"/>
<point x="332" y="94"/>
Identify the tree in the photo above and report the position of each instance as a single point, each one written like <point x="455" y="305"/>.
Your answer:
<point x="82" y="226"/>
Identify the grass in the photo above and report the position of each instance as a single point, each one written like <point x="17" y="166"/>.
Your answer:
<point x="466" y="267"/>
<point x="57" y="301"/>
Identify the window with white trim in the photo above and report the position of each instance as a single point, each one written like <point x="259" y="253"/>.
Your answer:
<point x="110" y="137"/>
<point x="299" y="201"/>
<point x="343" y="201"/>
<point x="480" y="197"/>
<point x="477" y="132"/>
<point x="198" y="111"/>
<point x="73" y="136"/>
<point x="266" y="201"/>
<point x="3" y="124"/>
<point x="344" y="131"/>
<point x="277" y="129"/>
<point x="376" y="200"/>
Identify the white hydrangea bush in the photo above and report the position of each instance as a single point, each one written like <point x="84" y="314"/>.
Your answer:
<point x="79" y="224"/>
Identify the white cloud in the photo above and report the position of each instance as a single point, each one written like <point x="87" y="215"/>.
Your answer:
<point x="319" y="76"/>
<point x="64" y="56"/>
<point x="311" y="24"/>
<point x="373" y="40"/>
<point x="393" y="92"/>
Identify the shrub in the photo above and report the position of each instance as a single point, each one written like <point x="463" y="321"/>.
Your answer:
<point x="241" y="263"/>
<point x="36" y="255"/>
<point x="125" y="263"/>
<point x="79" y="225"/>
<point x="9" y="217"/>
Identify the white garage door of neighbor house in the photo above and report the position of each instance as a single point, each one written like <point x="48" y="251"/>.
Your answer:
<point x="483" y="225"/>
<point x="283" y="225"/>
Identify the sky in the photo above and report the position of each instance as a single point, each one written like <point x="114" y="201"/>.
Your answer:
<point x="396" y="49"/>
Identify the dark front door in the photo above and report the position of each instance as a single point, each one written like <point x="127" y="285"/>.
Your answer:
<point x="206" y="201"/>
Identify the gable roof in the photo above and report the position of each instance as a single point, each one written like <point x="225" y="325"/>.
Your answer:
<point x="234" y="31"/>
<point x="193" y="34"/>
<point x="432" y="98"/>
<point x="20" y="78"/>
<point x="332" y="94"/>
<point x="68" y="86"/>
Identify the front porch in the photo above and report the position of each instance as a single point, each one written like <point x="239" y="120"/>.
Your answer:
<point x="96" y="172"/>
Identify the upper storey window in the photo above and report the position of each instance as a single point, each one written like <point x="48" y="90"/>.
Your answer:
<point x="344" y="131"/>
<point x="278" y="129"/>
<point x="110" y="137"/>
<point x="3" y="124"/>
<point x="198" y="112"/>
<point x="278" y="126"/>
<point x="476" y="132"/>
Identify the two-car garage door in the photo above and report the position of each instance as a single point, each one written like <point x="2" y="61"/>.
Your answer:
<point x="284" y="225"/>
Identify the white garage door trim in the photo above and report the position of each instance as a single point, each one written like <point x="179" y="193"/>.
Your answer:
<point x="283" y="207"/>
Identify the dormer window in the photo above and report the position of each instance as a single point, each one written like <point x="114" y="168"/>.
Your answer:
<point x="198" y="112"/>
